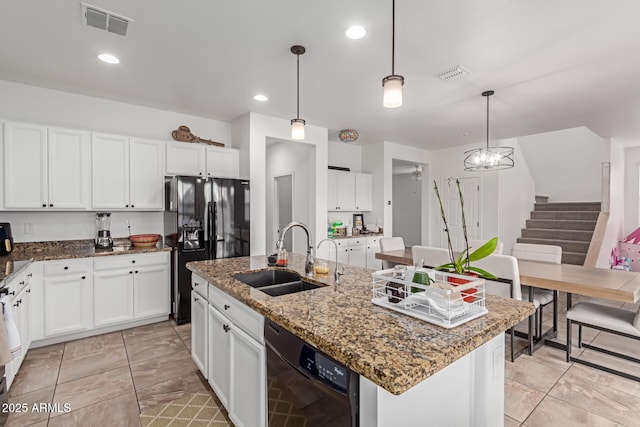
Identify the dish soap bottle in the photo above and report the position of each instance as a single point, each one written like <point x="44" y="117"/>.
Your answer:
<point x="283" y="258"/>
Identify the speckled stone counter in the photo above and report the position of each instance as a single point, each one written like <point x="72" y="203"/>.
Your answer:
<point x="65" y="249"/>
<point x="394" y="351"/>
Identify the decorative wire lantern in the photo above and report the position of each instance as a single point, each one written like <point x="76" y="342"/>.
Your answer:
<point x="488" y="158"/>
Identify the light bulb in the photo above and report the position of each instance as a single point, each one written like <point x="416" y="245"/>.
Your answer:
<point x="297" y="129"/>
<point x="392" y="91"/>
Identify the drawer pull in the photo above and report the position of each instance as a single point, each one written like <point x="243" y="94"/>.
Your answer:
<point x="196" y="284"/>
<point x="30" y="275"/>
<point x="12" y="293"/>
<point x="28" y="291"/>
<point x="22" y="283"/>
<point x="195" y="299"/>
<point x="226" y="327"/>
<point x="227" y="306"/>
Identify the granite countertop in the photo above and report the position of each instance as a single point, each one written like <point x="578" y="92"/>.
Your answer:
<point x="65" y="249"/>
<point x="394" y="351"/>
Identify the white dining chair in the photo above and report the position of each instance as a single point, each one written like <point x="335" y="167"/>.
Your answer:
<point x="390" y="244"/>
<point x="476" y="243"/>
<point x="429" y="256"/>
<point x="541" y="253"/>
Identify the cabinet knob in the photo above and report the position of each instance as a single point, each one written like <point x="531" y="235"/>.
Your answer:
<point x="12" y="293"/>
<point x="84" y="277"/>
<point x="226" y="328"/>
<point x="196" y="284"/>
<point x="136" y="271"/>
<point x="131" y="272"/>
<point x="133" y="206"/>
<point x="227" y="306"/>
<point x="30" y="275"/>
<point x="199" y="173"/>
<point x="133" y="261"/>
<point x="50" y="205"/>
<point x="28" y="291"/>
<point x="44" y="205"/>
<point x="66" y="267"/>
<point x="195" y="299"/>
<point x="22" y="283"/>
<point x="126" y="206"/>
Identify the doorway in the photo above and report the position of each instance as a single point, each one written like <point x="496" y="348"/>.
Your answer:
<point x="283" y="192"/>
<point x="407" y="190"/>
<point x="470" y="188"/>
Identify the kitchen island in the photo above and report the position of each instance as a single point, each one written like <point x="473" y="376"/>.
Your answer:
<point x="411" y="371"/>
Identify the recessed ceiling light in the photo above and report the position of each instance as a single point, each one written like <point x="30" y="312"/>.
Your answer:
<point x="260" y="97"/>
<point x="356" y="32"/>
<point x="109" y="59"/>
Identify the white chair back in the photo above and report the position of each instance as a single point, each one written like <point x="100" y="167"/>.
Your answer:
<point x="430" y="256"/>
<point x="390" y="244"/>
<point x="535" y="252"/>
<point x="475" y="244"/>
<point x="504" y="267"/>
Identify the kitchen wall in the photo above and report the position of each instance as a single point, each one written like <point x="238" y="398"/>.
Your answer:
<point x="566" y="165"/>
<point x="33" y="104"/>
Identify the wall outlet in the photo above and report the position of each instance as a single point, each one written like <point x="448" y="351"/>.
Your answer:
<point x="29" y="228"/>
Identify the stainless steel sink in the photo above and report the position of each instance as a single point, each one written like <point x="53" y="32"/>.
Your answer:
<point x="276" y="282"/>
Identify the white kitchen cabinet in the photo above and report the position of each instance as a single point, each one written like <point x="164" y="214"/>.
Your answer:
<point x="343" y="251"/>
<point x="68" y="297"/>
<point x="45" y="168"/>
<point x="373" y="247"/>
<point x="349" y="191"/>
<point x="199" y="333"/>
<point x="219" y="354"/>
<point x="131" y="287"/>
<point x="357" y="252"/>
<point x="223" y="162"/>
<point x="185" y="158"/>
<point x="112" y="296"/>
<point x="363" y="191"/>
<point x="248" y="373"/>
<point x="20" y="307"/>
<point x="126" y="173"/>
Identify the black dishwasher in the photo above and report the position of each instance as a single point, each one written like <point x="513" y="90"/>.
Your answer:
<point x="305" y="386"/>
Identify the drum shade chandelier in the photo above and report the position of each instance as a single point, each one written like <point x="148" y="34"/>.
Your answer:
<point x="297" y="124"/>
<point x="488" y="158"/>
<point x="392" y="84"/>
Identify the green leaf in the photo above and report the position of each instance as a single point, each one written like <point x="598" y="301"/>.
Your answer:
<point x="484" y="250"/>
<point x="482" y="273"/>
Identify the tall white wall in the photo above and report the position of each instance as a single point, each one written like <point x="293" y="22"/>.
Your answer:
<point x="48" y="107"/>
<point x="566" y="165"/>
<point x="631" y="189"/>
<point x="407" y="215"/>
<point x="346" y="156"/>
<point x="289" y="157"/>
<point x="373" y="159"/>
<point x="261" y="128"/>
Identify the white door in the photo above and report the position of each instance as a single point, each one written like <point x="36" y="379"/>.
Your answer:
<point x="223" y="162"/>
<point x="364" y="191"/>
<point x="67" y="304"/>
<point x="69" y="168"/>
<point x="25" y="166"/>
<point x="199" y="332"/>
<point x="451" y="202"/>
<point x="151" y="291"/>
<point x="219" y="355"/>
<point x="109" y="171"/>
<point x="284" y="207"/>
<point x="112" y="296"/>
<point x="146" y="173"/>
<point x="184" y="158"/>
<point x="248" y="375"/>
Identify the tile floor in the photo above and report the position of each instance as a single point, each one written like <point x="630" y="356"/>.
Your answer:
<point x="109" y="379"/>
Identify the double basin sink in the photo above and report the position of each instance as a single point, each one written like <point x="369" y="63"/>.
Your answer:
<point x="276" y="282"/>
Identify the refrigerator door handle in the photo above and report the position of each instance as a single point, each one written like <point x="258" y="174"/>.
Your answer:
<point x="212" y="231"/>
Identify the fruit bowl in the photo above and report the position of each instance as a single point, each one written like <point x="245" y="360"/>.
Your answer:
<point x="144" y="240"/>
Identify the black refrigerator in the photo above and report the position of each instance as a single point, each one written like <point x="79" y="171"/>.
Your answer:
<point x="204" y="218"/>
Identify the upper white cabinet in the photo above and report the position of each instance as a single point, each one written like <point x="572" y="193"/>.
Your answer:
<point x="45" y="168"/>
<point x="126" y="172"/>
<point x="223" y="162"/>
<point x="349" y="191"/>
<point x="202" y="160"/>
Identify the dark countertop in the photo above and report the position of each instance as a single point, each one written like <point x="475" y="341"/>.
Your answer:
<point x="65" y="249"/>
<point x="393" y="350"/>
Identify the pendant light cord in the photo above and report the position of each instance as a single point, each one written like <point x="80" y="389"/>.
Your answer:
<point x="487" y="123"/>
<point x="393" y="37"/>
<point x="298" y="86"/>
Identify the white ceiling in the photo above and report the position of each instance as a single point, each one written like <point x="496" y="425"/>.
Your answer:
<point x="554" y="64"/>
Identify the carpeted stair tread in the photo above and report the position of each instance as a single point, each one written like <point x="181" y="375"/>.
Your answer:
<point x="561" y="224"/>
<point x="566" y="215"/>
<point x="568" y="206"/>
<point x="543" y="233"/>
<point x="566" y="245"/>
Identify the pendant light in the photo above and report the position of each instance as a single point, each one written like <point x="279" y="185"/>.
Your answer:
<point x="392" y="84"/>
<point x="488" y="158"/>
<point x="297" y="124"/>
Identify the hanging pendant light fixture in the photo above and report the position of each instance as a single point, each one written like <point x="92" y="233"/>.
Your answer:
<point x="488" y="158"/>
<point x="297" y="124"/>
<point x="392" y="84"/>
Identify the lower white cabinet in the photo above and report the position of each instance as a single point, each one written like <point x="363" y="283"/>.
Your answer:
<point x="219" y="347"/>
<point x="353" y="251"/>
<point x="151" y="290"/>
<point x="19" y="302"/>
<point x="112" y="296"/>
<point x="373" y="247"/>
<point x="68" y="297"/>
<point x="199" y="333"/>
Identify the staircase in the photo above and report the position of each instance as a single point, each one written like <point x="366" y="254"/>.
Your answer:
<point x="566" y="224"/>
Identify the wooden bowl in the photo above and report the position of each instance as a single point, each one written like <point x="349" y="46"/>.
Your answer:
<point x="144" y="240"/>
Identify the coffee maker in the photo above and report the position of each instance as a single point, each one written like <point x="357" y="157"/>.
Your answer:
<point x="103" y="224"/>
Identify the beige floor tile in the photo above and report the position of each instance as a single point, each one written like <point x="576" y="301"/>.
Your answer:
<point x="49" y="352"/>
<point x="95" y="388"/>
<point x="525" y="370"/>
<point x="35" y="374"/>
<point x="147" y="332"/>
<point x="27" y="415"/>
<point x="97" y="344"/>
<point x="552" y="412"/>
<point x="160" y="346"/>
<point x="171" y="389"/>
<point x="120" y="411"/>
<point x="92" y="363"/>
<point x="552" y="357"/>
<point x="510" y="422"/>
<point x="519" y="400"/>
<point x="159" y="369"/>
<point x="610" y="380"/>
<point x="597" y="398"/>
<point x="187" y="342"/>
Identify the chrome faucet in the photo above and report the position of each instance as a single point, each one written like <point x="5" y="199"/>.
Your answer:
<point x="338" y="272"/>
<point x="308" y="265"/>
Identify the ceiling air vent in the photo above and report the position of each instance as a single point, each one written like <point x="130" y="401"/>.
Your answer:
<point x="104" y="20"/>
<point x="454" y="73"/>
